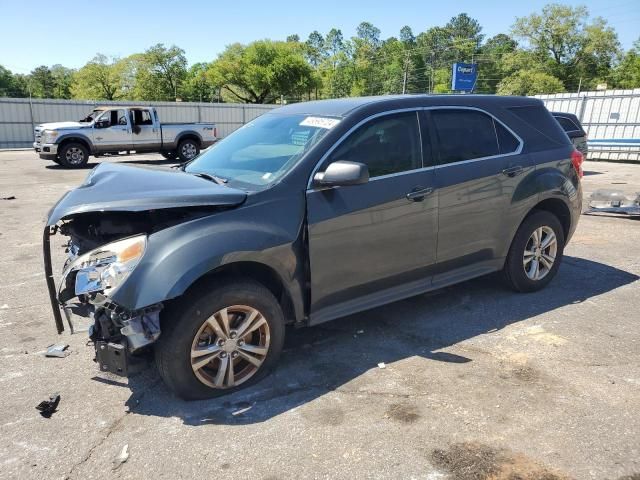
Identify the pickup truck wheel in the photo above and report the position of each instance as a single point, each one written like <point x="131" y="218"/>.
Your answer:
<point x="187" y="149"/>
<point x="73" y="155"/>
<point x="216" y="341"/>
<point x="535" y="253"/>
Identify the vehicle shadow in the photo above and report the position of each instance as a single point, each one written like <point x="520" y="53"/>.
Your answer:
<point x="320" y="359"/>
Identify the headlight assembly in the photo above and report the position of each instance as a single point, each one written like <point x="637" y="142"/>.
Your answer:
<point x="49" y="136"/>
<point x="105" y="268"/>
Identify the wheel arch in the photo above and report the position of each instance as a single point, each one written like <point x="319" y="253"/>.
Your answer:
<point x="249" y="270"/>
<point x="77" y="139"/>
<point x="557" y="207"/>
<point x="189" y="135"/>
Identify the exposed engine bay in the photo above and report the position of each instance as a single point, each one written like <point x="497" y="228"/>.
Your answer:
<point x="102" y="250"/>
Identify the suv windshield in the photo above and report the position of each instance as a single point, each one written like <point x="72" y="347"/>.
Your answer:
<point x="262" y="151"/>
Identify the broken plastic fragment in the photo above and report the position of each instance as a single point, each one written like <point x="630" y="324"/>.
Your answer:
<point x="382" y="365"/>
<point x="57" y="350"/>
<point x="48" y="407"/>
<point x="122" y="457"/>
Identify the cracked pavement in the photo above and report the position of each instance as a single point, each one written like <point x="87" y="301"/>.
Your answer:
<point x="474" y="369"/>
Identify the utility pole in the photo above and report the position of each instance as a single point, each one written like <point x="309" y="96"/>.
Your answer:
<point x="406" y="74"/>
<point x="579" y="84"/>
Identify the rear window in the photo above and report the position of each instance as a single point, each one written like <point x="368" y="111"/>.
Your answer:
<point x="539" y="118"/>
<point x="567" y="125"/>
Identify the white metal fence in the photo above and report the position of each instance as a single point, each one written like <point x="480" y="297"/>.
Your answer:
<point x="18" y="116"/>
<point x="610" y="117"/>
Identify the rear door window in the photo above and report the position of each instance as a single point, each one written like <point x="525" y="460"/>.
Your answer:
<point x="464" y="135"/>
<point x="506" y="140"/>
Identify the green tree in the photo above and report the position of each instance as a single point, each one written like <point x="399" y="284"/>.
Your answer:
<point x="295" y="38"/>
<point x="491" y="62"/>
<point x="572" y="48"/>
<point x="627" y="73"/>
<point x="315" y="48"/>
<point x="197" y="86"/>
<point x="42" y="82"/>
<point x="99" y="79"/>
<point x="263" y="71"/>
<point x="530" y="82"/>
<point x="160" y="72"/>
<point x="62" y="80"/>
<point x="12" y="85"/>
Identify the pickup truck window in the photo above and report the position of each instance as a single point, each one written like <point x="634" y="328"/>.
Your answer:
<point x="113" y="117"/>
<point x="262" y="151"/>
<point x="142" y="117"/>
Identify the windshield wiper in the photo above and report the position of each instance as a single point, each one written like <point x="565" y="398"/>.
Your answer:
<point x="212" y="177"/>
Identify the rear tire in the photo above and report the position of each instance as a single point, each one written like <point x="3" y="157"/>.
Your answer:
<point x="535" y="253"/>
<point x="199" y="342"/>
<point x="73" y="155"/>
<point x="188" y="149"/>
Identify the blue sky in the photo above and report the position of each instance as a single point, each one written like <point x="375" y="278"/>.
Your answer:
<point x="70" y="33"/>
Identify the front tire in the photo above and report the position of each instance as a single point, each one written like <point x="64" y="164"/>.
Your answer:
<point x="188" y="149"/>
<point x="535" y="253"/>
<point x="218" y="340"/>
<point x="73" y="155"/>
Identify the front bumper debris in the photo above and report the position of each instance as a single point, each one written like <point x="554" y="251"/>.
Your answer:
<point x="613" y="202"/>
<point x="117" y="333"/>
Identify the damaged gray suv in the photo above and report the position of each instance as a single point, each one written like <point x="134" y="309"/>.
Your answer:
<point x="307" y="214"/>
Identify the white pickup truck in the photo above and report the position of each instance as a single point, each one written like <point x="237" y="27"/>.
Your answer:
<point x="116" y="129"/>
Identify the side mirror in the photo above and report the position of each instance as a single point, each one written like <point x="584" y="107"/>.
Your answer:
<point x="342" y="173"/>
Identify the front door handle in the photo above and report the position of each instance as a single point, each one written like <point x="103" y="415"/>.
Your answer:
<point x="418" y="194"/>
<point x="512" y="171"/>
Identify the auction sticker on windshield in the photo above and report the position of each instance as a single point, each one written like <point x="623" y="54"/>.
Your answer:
<point x="320" y="122"/>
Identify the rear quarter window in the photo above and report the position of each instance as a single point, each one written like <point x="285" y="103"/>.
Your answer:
<point x="538" y="118"/>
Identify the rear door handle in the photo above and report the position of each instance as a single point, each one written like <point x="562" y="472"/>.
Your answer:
<point x="512" y="171"/>
<point x="418" y="194"/>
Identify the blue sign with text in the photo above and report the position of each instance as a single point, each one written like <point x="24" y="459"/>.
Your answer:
<point x="464" y="76"/>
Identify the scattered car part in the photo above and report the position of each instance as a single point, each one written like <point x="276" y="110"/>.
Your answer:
<point x="122" y="457"/>
<point x="613" y="202"/>
<point x="49" y="407"/>
<point x="58" y="350"/>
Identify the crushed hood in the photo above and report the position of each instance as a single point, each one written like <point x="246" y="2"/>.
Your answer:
<point x="62" y="125"/>
<point x="115" y="187"/>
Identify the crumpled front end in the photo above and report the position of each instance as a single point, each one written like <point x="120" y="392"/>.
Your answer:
<point x="89" y="278"/>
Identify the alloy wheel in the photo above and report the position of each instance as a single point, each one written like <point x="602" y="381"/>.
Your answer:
<point x="540" y="253"/>
<point x="74" y="156"/>
<point x="189" y="150"/>
<point x="230" y="347"/>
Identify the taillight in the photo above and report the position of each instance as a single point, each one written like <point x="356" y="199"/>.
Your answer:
<point x="576" y="159"/>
